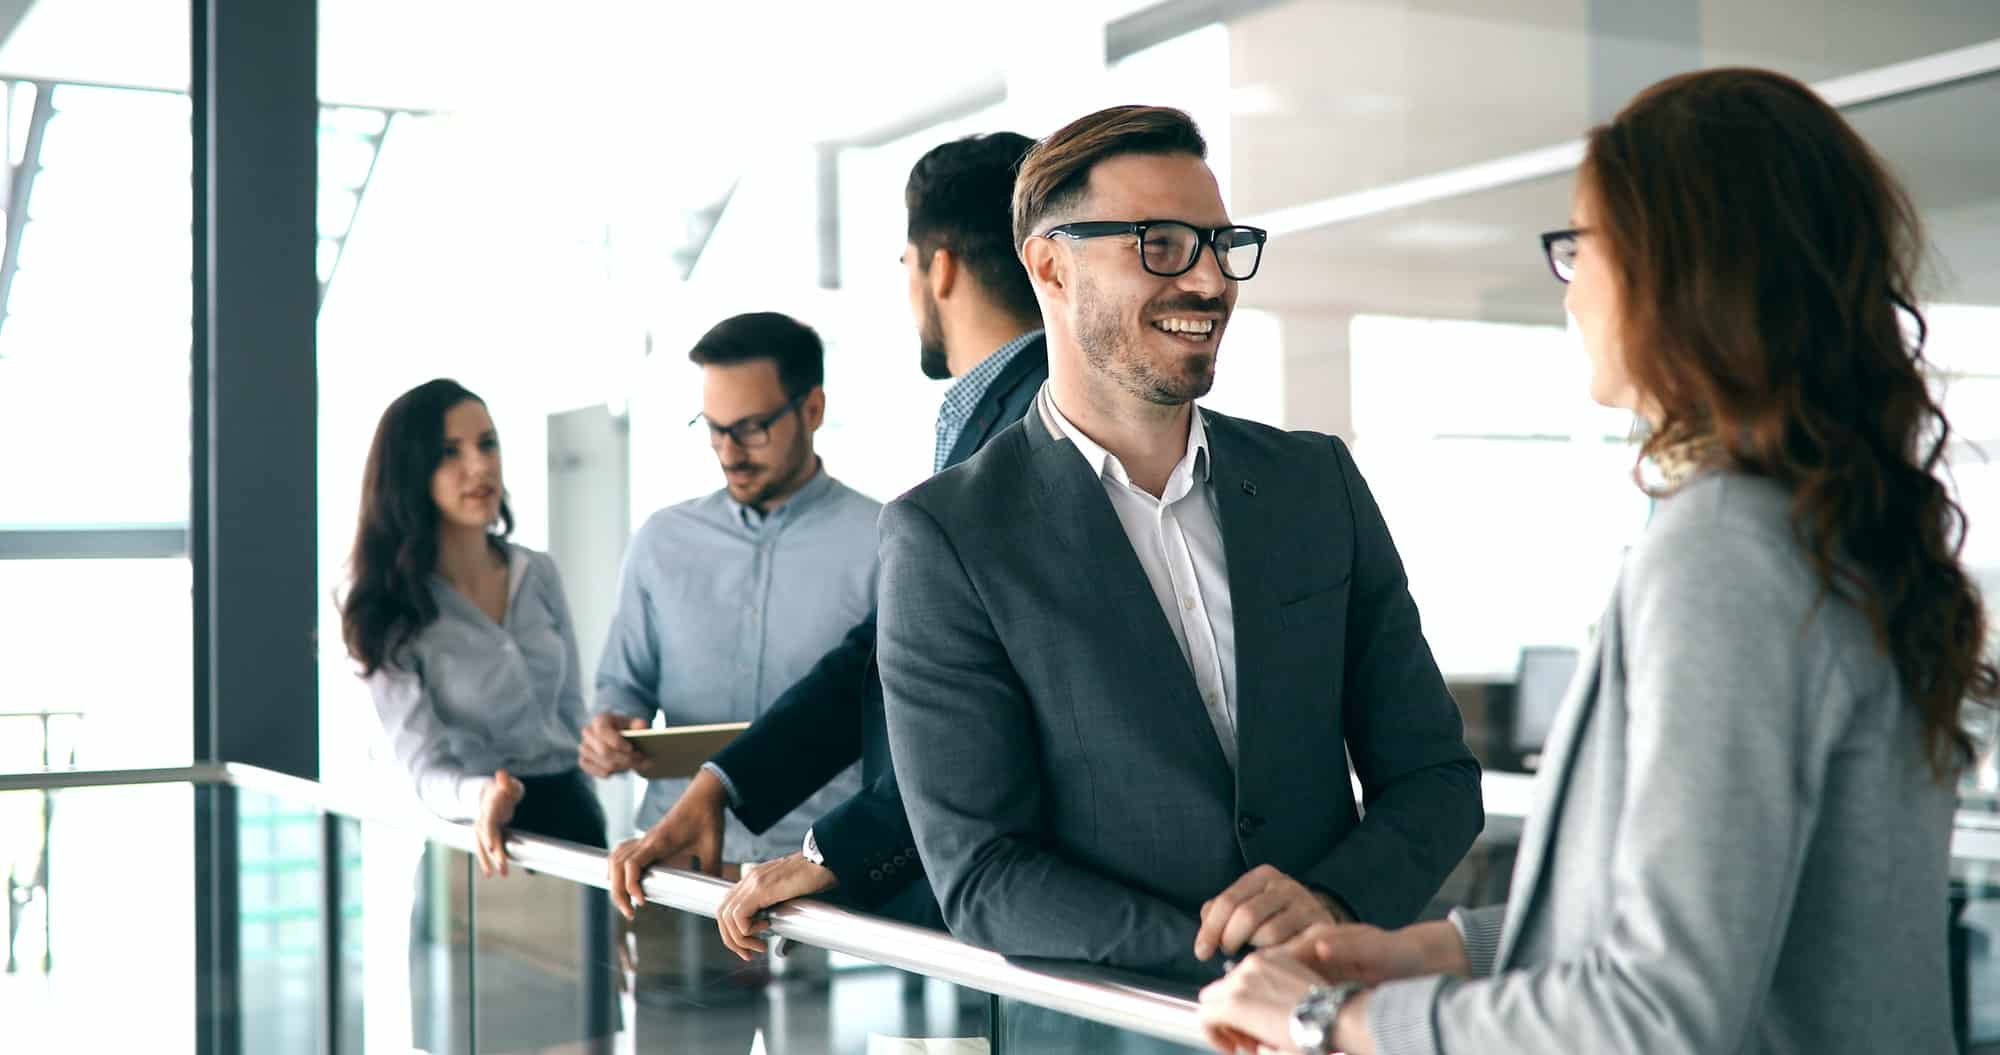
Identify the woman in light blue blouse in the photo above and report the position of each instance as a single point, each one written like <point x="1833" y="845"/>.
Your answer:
<point x="464" y="638"/>
<point x="467" y="646"/>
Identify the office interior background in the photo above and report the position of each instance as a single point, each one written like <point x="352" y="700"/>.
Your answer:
<point x="549" y="202"/>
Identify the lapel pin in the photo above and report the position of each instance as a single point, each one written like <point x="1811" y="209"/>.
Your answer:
<point x="1249" y="488"/>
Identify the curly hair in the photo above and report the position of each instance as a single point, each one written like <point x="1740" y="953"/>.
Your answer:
<point x="1767" y="262"/>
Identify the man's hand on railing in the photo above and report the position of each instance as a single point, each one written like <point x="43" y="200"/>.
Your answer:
<point x="496" y="808"/>
<point x="761" y="887"/>
<point x="689" y="836"/>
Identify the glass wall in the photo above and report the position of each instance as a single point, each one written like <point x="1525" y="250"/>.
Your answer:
<point x="98" y="888"/>
<point x="94" y="390"/>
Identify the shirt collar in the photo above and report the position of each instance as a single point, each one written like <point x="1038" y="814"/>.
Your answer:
<point x="1194" y="465"/>
<point x="965" y="392"/>
<point x="814" y="490"/>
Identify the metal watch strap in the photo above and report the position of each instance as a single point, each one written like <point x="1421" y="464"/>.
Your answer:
<point x="1313" y="1020"/>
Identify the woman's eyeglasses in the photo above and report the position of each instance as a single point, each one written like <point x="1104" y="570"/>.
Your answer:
<point x="1560" y="248"/>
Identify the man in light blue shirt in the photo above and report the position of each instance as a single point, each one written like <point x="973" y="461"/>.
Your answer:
<point x="728" y="599"/>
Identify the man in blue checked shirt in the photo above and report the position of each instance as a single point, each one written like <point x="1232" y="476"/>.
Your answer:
<point x="977" y="321"/>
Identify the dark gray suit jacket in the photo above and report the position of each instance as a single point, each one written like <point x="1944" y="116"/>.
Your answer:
<point x="1066" y="788"/>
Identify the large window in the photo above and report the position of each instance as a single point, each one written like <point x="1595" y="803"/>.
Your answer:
<point x="1509" y="494"/>
<point x="94" y="419"/>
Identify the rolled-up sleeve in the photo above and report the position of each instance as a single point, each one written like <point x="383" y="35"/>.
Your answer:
<point x="419" y="743"/>
<point x="628" y="674"/>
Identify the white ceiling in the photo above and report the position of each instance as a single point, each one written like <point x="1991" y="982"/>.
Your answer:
<point x="1353" y="94"/>
<point x="1328" y="97"/>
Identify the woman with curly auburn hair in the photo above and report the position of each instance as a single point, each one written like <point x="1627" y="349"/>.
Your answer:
<point x="1740" y="836"/>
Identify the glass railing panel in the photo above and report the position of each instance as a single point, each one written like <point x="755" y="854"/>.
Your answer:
<point x="1025" y="1027"/>
<point x="665" y="982"/>
<point x="406" y="963"/>
<point x="281" y="921"/>
<point x="361" y="928"/>
<point x="544" y="973"/>
<point x="95" y="960"/>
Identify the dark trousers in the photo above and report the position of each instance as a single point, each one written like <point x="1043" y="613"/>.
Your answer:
<point x="561" y="806"/>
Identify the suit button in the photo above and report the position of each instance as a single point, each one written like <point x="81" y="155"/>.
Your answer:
<point x="1247" y="825"/>
<point x="875" y="874"/>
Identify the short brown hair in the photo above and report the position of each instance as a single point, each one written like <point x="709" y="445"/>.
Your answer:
<point x="1056" y="171"/>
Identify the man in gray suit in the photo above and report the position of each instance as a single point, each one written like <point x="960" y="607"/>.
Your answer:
<point x="1126" y="648"/>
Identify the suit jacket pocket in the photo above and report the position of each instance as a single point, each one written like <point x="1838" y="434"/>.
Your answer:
<point x="1320" y="606"/>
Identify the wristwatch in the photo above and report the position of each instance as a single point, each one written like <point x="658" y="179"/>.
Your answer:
<point x="811" y="850"/>
<point x="1312" y="1020"/>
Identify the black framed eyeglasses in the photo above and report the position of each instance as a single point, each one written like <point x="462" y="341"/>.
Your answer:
<point x="1560" y="248"/>
<point x="1169" y="247"/>
<point x="751" y="432"/>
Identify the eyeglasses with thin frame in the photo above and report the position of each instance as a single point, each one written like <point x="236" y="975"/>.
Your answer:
<point x="1560" y="248"/>
<point x="751" y="432"/>
<point x="1168" y="248"/>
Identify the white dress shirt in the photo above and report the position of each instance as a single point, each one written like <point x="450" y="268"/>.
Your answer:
<point x="1179" y="544"/>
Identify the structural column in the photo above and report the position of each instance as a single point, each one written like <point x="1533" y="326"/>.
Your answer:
<point x="254" y="517"/>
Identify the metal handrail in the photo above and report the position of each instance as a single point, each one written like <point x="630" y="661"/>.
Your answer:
<point x="1098" y="994"/>
<point x="1083" y="991"/>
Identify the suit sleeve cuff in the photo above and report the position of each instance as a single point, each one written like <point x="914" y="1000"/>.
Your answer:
<point x="1400" y="1016"/>
<point x="1479" y="930"/>
<point x="1338" y="901"/>
<point x="728" y="785"/>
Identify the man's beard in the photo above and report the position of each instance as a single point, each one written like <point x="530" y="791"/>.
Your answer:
<point x="930" y="342"/>
<point x="1114" y="352"/>
<point x="781" y="476"/>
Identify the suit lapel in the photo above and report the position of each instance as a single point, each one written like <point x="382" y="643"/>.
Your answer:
<point x="991" y="415"/>
<point x="1248" y="517"/>
<point x="1118" y="602"/>
<point x="1558" y="759"/>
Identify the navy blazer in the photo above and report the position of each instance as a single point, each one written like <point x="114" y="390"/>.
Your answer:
<point x="833" y="716"/>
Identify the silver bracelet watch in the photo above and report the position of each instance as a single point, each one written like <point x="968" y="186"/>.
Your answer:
<point x="811" y="850"/>
<point x="1313" y="1019"/>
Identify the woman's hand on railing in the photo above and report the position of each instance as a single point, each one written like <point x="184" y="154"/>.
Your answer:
<point x="496" y="808"/>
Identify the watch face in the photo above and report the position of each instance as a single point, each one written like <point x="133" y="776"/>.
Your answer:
<point x="1312" y="1021"/>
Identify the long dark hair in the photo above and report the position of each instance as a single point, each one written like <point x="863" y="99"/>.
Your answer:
<point x="1767" y="261"/>
<point x="388" y="598"/>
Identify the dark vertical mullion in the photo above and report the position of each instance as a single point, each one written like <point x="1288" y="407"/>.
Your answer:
<point x="263" y="301"/>
<point x="209" y="941"/>
<point x="332" y="933"/>
<point x="254" y="111"/>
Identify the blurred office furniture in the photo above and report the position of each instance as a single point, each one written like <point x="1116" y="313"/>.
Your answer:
<point x="1540" y="683"/>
